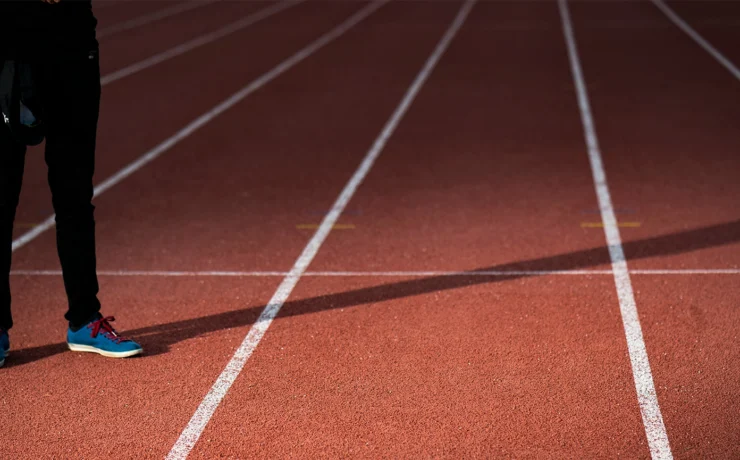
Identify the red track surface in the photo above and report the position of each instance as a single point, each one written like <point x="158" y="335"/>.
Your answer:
<point x="487" y="170"/>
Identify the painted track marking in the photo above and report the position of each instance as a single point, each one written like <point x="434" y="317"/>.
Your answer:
<point x="151" y="17"/>
<point x="646" y="395"/>
<point x="315" y="226"/>
<point x="190" y="128"/>
<point x="198" y="41"/>
<point x="205" y="411"/>
<point x="401" y="273"/>
<point x="619" y="224"/>
<point x="684" y="26"/>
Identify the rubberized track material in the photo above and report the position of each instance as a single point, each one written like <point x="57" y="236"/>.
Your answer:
<point x="403" y="192"/>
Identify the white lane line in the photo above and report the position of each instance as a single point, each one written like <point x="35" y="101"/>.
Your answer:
<point x="197" y="42"/>
<point x="698" y="271"/>
<point x="208" y="406"/>
<point x="391" y="274"/>
<point x="643" y="377"/>
<point x="151" y="17"/>
<point x="158" y="273"/>
<point x="683" y="25"/>
<point x="202" y="120"/>
<point x="403" y="273"/>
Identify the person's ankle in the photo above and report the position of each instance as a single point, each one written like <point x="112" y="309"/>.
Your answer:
<point x="77" y="326"/>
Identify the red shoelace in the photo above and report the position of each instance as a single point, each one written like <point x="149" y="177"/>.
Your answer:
<point x="103" y="324"/>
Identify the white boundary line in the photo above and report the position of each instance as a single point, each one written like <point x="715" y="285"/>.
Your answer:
<point x="151" y="17"/>
<point x="683" y="25"/>
<point x="391" y="274"/>
<point x="190" y="128"/>
<point x="646" y="395"/>
<point x="203" y="414"/>
<point x="698" y="271"/>
<point x="198" y="41"/>
<point x="158" y="273"/>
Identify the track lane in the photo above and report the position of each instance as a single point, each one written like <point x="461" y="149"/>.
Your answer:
<point x="691" y="328"/>
<point x="668" y="129"/>
<point x="109" y="13"/>
<point x="455" y="368"/>
<point x="717" y="21"/>
<point x="482" y="205"/>
<point x="429" y="375"/>
<point x="151" y="18"/>
<point x="126" y="48"/>
<point x="83" y="406"/>
<point x="323" y="100"/>
<point x="138" y="112"/>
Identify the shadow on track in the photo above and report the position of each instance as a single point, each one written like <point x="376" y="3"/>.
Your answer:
<point x="158" y="339"/>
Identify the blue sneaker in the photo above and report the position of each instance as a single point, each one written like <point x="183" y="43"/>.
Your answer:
<point x="98" y="336"/>
<point x="2" y="357"/>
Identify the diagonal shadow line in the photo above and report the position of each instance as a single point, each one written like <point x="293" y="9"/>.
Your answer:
<point x="157" y="339"/>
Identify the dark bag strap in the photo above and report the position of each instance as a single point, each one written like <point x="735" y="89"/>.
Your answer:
<point x="7" y="90"/>
<point x="16" y="84"/>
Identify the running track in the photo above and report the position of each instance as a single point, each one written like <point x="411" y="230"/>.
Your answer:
<point x="471" y="129"/>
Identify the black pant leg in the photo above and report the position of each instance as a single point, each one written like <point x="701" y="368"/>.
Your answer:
<point x="12" y="159"/>
<point x="70" y="91"/>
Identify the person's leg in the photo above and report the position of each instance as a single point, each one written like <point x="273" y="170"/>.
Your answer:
<point x="70" y="93"/>
<point x="12" y="156"/>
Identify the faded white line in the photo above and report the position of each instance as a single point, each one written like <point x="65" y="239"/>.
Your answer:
<point x="643" y="377"/>
<point x="391" y="274"/>
<point x="208" y="406"/>
<point x="197" y="42"/>
<point x="683" y="25"/>
<point x="188" y="130"/>
<point x="151" y="17"/>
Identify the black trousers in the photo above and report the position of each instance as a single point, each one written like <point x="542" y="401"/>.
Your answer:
<point x="69" y="85"/>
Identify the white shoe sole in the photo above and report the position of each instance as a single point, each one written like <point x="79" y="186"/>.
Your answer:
<point x="109" y="354"/>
